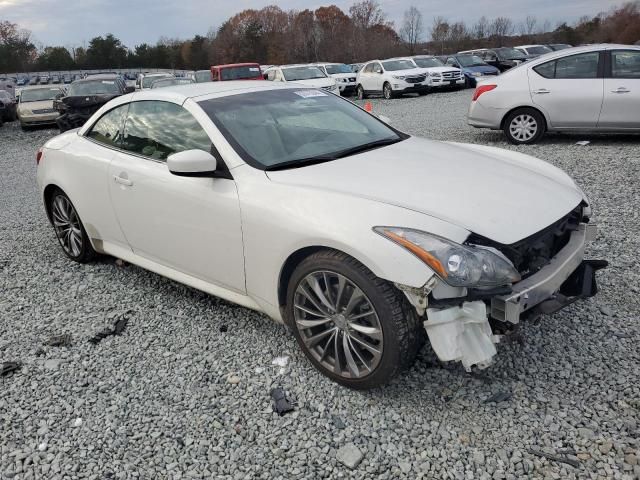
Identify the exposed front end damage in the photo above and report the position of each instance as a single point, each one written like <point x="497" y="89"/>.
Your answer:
<point x="76" y="110"/>
<point x="458" y="321"/>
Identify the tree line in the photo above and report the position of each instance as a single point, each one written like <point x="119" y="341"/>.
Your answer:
<point x="275" y="36"/>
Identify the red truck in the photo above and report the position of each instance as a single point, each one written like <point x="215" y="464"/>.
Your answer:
<point x="236" y="71"/>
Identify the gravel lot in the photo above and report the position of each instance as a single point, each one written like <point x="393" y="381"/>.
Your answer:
<point x="156" y="402"/>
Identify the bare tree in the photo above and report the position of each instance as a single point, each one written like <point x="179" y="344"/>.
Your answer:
<point x="500" y="28"/>
<point x="544" y="27"/>
<point x="528" y="26"/>
<point x="412" y="28"/>
<point x="481" y="28"/>
<point x="440" y="31"/>
<point x="457" y="36"/>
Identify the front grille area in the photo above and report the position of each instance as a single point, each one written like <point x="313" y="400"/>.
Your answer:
<point x="418" y="79"/>
<point x="532" y="253"/>
<point x="328" y="89"/>
<point x="44" y="110"/>
<point x="451" y="75"/>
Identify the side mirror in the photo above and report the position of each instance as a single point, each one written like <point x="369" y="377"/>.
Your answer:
<point x="385" y="119"/>
<point x="129" y="89"/>
<point x="192" y="163"/>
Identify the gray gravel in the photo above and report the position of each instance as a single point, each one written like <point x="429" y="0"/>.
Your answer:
<point x="178" y="395"/>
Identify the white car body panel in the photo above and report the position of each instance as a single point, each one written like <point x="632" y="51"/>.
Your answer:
<point x="621" y="104"/>
<point x="374" y="82"/>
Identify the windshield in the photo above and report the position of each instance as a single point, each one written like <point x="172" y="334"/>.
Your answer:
<point x="203" y="76"/>
<point x="339" y="68"/>
<point x="93" y="87"/>
<point x="39" y="94"/>
<point x="290" y="128"/>
<point x="148" y="80"/>
<point x="292" y="74"/>
<point x="470" y="61"/>
<point x="510" y="54"/>
<point x="540" y="50"/>
<point x="240" y="73"/>
<point x="393" y="65"/>
<point x="426" y="62"/>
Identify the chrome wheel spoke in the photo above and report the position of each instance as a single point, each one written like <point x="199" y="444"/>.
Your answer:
<point x="338" y="324"/>
<point x="67" y="225"/>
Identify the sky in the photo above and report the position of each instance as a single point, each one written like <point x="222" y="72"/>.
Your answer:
<point x="75" y="22"/>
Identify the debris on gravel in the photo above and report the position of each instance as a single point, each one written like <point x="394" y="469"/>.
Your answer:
<point x="164" y="379"/>
<point x="350" y="456"/>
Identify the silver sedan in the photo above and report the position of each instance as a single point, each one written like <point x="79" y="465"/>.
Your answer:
<point x="593" y="88"/>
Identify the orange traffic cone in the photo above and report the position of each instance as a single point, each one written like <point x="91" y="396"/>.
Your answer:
<point x="368" y="107"/>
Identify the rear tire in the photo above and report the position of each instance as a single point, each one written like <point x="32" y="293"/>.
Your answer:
<point x="358" y="308"/>
<point x="524" y="126"/>
<point x="69" y="229"/>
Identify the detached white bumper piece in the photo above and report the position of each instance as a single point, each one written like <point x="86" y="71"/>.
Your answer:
<point x="461" y="333"/>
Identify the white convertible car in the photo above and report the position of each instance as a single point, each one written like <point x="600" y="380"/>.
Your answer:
<point x="297" y="203"/>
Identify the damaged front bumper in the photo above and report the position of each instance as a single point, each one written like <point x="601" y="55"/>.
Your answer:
<point x="463" y="333"/>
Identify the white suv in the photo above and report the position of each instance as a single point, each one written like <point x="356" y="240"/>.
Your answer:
<point x="309" y="75"/>
<point x="344" y="75"/>
<point x="440" y="74"/>
<point x="391" y="78"/>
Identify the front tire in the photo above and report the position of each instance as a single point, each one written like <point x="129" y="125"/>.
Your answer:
<point x="69" y="229"/>
<point x="360" y="94"/>
<point x="387" y="91"/>
<point x="524" y="126"/>
<point x="357" y="329"/>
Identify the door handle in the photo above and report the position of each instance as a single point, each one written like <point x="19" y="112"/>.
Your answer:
<point x="620" y="90"/>
<point x="541" y="91"/>
<point x="122" y="181"/>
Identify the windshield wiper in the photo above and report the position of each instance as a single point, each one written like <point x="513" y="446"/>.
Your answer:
<point x="303" y="162"/>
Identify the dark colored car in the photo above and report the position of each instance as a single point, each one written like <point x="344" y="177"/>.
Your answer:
<point x="7" y="106"/>
<point x="236" y="71"/>
<point x="22" y="81"/>
<point x="473" y="67"/>
<point x="503" y="58"/>
<point x="85" y="97"/>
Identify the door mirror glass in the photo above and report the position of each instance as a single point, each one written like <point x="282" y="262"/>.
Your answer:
<point x="192" y="163"/>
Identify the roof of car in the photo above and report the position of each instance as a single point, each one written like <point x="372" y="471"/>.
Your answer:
<point x="180" y="93"/>
<point x="529" y="46"/>
<point x="229" y="65"/>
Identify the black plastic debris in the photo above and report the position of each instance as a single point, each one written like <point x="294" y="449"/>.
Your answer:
<point x="63" y="340"/>
<point x="117" y="329"/>
<point x="7" y="367"/>
<point x="499" y="397"/>
<point x="281" y="404"/>
<point x="555" y="458"/>
<point x="223" y="328"/>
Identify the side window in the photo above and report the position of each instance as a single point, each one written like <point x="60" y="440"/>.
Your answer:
<point x="156" y="129"/>
<point x="625" y="64"/>
<point x="584" y="65"/>
<point x="108" y="129"/>
<point x="490" y="56"/>
<point x="377" y="68"/>
<point x="546" y="70"/>
<point x="214" y="75"/>
<point x="368" y="68"/>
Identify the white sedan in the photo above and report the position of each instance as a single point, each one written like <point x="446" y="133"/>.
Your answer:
<point x="592" y="88"/>
<point x="294" y="202"/>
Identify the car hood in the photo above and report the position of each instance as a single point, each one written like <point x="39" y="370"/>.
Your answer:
<point x="31" y="106"/>
<point x="315" y="82"/>
<point x="342" y="75"/>
<point x="408" y="72"/>
<point x="442" y="69"/>
<point x="482" y="69"/>
<point x="502" y="195"/>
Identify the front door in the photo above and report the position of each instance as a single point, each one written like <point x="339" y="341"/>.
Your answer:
<point x="188" y="224"/>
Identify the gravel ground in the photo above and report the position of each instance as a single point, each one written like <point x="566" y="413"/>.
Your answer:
<point x="157" y="401"/>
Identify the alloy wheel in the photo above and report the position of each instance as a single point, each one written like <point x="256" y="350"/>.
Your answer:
<point x="387" y="91"/>
<point x="67" y="226"/>
<point x="338" y="324"/>
<point x="523" y="127"/>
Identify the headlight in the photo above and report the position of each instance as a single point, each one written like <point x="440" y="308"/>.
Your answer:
<point x="476" y="74"/>
<point x="399" y="77"/>
<point x="458" y="265"/>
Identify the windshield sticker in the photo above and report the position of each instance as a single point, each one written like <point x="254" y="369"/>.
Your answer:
<point x="254" y="69"/>
<point x="310" y="93"/>
<point x="107" y="82"/>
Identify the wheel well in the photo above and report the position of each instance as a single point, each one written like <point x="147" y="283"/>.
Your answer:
<point x="289" y="266"/>
<point x="48" y="193"/>
<point x="504" y="118"/>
